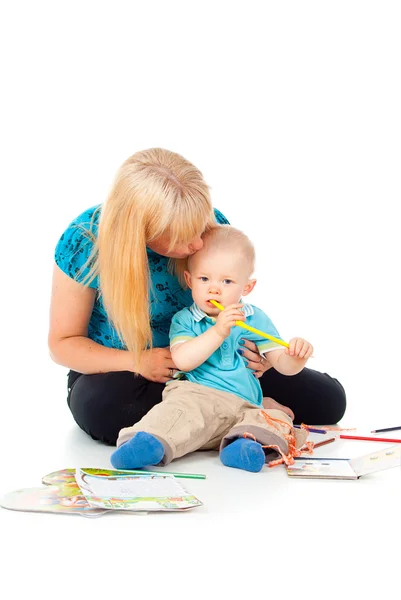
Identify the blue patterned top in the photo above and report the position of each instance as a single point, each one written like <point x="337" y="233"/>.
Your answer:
<point x="166" y="295"/>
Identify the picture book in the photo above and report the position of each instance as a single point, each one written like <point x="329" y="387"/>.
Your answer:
<point x="114" y="490"/>
<point x="93" y="492"/>
<point x="344" y="468"/>
<point x="60" y="494"/>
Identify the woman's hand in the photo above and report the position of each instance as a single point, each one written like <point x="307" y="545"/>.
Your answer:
<point x="157" y="365"/>
<point x="256" y="362"/>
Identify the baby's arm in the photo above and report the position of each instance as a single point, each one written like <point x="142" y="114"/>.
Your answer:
<point x="190" y="354"/>
<point x="291" y="360"/>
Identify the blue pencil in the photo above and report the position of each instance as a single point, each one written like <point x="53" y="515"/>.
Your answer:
<point x="387" y="429"/>
<point x="312" y="430"/>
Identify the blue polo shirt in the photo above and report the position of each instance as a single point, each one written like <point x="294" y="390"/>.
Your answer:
<point x="166" y="295"/>
<point x="225" y="369"/>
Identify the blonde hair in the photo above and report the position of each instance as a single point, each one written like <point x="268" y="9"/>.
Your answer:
<point x="228" y="238"/>
<point x="156" y="192"/>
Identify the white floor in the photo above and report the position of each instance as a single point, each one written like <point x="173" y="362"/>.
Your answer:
<point x="291" y="112"/>
<point x="288" y="533"/>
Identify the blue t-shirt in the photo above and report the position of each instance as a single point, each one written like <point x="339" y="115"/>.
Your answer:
<point x="225" y="369"/>
<point x="166" y="295"/>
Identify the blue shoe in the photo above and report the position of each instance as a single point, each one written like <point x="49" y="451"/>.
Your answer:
<point x="243" y="454"/>
<point x="141" y="450"/>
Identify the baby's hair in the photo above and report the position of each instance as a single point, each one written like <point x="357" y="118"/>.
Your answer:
<point x="226" y="237"/>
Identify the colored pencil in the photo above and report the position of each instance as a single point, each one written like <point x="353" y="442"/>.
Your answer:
<point x="383" y="430"/>
<point x="257" y="331"/>
<point x="178" y="475"/>
<point x="311" y="429"/>
<point x="324" y="443"/>
<point x="370" y="439"/>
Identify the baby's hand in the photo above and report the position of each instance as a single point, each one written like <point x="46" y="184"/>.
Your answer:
<point x="299" y="348"/>
<point x="226" y="319"/>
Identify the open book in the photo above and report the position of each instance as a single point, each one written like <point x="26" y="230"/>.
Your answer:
<point x="94" y="492"/>
<point x="344" y="468"/>
<point x="118" y="490"/>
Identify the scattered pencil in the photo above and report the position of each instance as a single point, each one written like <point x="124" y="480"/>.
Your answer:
<point x="370" y="439"/>
<point x="383" y="430"/>
<point x="311" y="429"/>
<point x="324" y="443"/>
<point x="178" y="475"/>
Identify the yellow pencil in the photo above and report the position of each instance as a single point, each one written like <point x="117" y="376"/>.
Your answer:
<point x="244" y="326"/>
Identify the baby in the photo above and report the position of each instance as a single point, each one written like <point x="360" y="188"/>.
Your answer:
<point x="215" y="401"/>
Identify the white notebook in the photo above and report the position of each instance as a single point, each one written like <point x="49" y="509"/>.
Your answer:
<point x="344" y="468"/>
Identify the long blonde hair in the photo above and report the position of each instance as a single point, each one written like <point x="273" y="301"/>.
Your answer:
<point x="156" y="192"/>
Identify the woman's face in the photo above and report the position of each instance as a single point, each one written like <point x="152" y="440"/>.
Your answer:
<point x="161" y="245"/>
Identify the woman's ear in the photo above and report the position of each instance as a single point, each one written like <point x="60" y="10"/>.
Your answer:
<point x="249" y="287"/>
<point x="187" y="277"/>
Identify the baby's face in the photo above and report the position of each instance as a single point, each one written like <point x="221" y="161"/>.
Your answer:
<point x="217" y="275"/>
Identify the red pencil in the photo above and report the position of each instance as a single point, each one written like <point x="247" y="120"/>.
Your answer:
<point x="370" y="439"/>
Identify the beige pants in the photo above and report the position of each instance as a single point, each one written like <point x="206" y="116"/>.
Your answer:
<point x="196" y="417"/>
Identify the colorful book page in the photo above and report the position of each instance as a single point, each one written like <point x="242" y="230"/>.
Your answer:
<point x="144" y="492"/>
<point x="64" y="476"/>
<point x="50" y="499"/>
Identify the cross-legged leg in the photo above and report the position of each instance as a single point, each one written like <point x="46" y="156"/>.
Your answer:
<point x="316" y="398"/>
<point x="188" y="418"/>
<point x="253" y="439"/>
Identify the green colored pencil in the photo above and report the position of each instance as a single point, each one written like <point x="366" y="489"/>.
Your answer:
<point x="178" y="475"/>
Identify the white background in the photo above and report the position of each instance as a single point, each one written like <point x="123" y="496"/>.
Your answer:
<point x="292" y="112"/>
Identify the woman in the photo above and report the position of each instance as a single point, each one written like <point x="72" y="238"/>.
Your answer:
<point x="117" y="283"/>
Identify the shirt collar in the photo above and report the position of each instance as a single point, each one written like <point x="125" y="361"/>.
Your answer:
<point x="198" y="314"/>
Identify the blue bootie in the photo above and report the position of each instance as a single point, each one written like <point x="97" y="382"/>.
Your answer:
<point x="243" y="454"/>
<point x="141" y="450"/>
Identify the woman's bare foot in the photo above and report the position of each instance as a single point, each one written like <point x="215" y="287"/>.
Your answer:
<point x="270" y="403"/>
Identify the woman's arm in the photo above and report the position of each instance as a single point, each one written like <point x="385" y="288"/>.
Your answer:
<point x="70" y="311"/>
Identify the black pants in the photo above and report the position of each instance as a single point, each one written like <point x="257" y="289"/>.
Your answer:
<point x="104" y="403"/>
